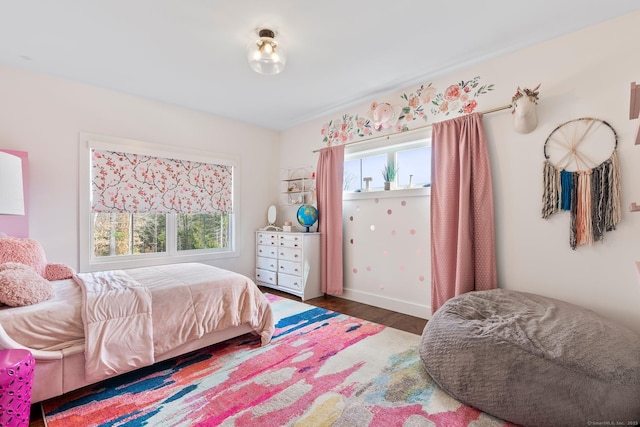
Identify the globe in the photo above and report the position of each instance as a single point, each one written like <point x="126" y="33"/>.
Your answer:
<point x="307" y="216"/>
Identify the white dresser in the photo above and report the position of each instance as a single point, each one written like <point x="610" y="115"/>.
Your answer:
<point x="289" y="262"/>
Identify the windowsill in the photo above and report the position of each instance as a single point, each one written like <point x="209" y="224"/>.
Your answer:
<point x="149" y="260"/>
<point x="382" y="194"/>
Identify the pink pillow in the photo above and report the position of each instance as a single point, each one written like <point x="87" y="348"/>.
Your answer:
<point x="21" y="285"/>
<point x="25" y="251"/>
<point x="30" y="252"/>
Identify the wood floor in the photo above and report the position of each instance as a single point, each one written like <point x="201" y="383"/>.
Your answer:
<point x="404" y="322"/>
<point x="389" y="318"/>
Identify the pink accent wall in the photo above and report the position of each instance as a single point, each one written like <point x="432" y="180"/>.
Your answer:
<point x="18" y="225"/>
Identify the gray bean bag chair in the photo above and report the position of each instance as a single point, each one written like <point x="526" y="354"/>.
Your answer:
<point x="534" y="361"/>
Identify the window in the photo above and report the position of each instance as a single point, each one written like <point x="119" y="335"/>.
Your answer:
<point x="145" y="233"/>
<point x="146" y="205"/>
<point x="411" y="155"/>
<point x="365" y="166"/>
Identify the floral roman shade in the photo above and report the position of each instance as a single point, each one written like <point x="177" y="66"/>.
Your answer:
<point x="134" y="183"/>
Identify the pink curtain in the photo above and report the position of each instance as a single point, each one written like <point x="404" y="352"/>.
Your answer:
<point x="329" y="192"/>
<point x="463" y="256"/>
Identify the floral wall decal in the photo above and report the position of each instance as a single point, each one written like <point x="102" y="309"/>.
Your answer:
<point x="342" y="130"/>
<point x="459" y="98"/>
<point x="416" y="102"/>
<point x="384" y="115"/>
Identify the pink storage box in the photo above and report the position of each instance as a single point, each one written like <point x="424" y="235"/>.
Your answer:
<point x="16" y="377"/>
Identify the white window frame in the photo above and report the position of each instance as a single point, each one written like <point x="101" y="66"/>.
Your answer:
<point x="89" y="262"/>
<point x="389" y="145"/>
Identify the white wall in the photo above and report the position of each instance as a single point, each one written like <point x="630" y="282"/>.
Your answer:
<point x="584" y="74"/>
<point x="386" y="250"/>
<point x="44" y="116"/>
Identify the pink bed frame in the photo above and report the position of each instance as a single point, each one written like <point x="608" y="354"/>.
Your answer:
<point x="61" y="371"/>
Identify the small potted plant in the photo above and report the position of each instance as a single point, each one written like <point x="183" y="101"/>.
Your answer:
<point x="389" y="173"/>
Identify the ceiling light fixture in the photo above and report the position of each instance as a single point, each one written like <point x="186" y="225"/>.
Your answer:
<point x="265" y="56"/>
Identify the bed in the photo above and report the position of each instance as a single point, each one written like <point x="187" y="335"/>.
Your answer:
<point x="102" y="324"/>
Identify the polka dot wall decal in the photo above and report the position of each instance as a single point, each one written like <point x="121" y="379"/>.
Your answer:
<point x="355" y="270"/>
<point x="403" y="203"/>
<point x="389" y="211"/>
<point x="412" y="231"/>
<point x="419" y="252"/>
<point x="368" y="268"/>
<point x="351" y="218"/>
<point x="373" y="228"/>
<point x="376" y="200"/>
<point x="394" y="232"/>
<point x="385" y="253"/>
<point x="402" y="268"/>
<point x="351" y="241"/>
<point x="421" y="278"/>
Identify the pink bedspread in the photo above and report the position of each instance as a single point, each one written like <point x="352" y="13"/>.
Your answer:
<point x="187" y="301"/>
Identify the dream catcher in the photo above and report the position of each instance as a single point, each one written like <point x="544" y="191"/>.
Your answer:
<point x="581" y="175"/>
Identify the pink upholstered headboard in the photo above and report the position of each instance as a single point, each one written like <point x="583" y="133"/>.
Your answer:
<point x="18" y="225"/>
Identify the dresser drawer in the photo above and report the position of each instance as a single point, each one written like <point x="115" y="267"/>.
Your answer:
<point x="265" y="263"/>
<point x="267" y="251"/>
<point x="290" y="241"/>
<point x="266" y="276"/>
<point x="291" y="282"/>
<point x="268" y="239"/>
<point x="290" y="267"/>
<point x="290" y="254"/>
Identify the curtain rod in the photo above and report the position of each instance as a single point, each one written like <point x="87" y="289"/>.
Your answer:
<point x="493" y="110"/>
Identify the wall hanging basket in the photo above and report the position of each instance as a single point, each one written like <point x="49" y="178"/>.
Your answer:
<point x="581" y="175"/>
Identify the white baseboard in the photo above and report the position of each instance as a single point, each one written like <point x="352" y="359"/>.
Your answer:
<point x="404" y="307"/>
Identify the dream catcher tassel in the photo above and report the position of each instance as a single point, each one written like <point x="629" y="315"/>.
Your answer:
<point x="573" y="238"/>
<point x="600" y="197"/>
<point x="550" y="196"/>
<point x="616" y="193"/>
<point x="584" y="232"/>
<point x="566" y="186"/>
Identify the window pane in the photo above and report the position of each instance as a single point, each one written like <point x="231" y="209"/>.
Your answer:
<point x="416" y="162"/>
<point x="203" y="231"/>
<point x="352" y="179"/>
<point x="372" y="167"/>
<point x="128" y="234"/>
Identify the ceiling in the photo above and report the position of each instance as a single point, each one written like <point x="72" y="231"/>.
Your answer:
<point x="192" y="53"/>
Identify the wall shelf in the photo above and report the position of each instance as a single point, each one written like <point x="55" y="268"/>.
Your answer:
<point x="297" y="186"/>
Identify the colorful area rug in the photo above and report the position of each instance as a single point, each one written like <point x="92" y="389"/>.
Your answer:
<point x="321" y="369"/>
